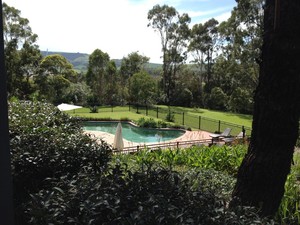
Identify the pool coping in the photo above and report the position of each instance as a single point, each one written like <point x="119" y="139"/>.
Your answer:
<point x="109" y="138"/>
<point x="133" y="124"/>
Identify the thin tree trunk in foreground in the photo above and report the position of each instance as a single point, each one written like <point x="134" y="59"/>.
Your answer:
<point x="264" y="170"/>
<point x="6" y="199"/>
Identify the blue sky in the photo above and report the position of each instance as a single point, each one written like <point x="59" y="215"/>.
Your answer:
<point x="117" y="27"/>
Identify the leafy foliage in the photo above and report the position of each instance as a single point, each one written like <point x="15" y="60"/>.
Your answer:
<point x="142" y="88"/>
<point x="151" y="195"/>
<point x="217" y="99"/>
<point x="225" y="159"/>
<point x="147" y="122"/>
<point x="170" y="117"/>
<point x="224" y="55"/>
<point x="289" y="210"/>
<point x="61" y="177"/>
<point x="47" y="144"/>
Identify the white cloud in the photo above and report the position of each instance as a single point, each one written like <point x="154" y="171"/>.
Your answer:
<point x="223" y="17"/>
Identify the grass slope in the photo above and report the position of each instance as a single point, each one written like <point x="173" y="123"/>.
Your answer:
<point x="122" y="112"/>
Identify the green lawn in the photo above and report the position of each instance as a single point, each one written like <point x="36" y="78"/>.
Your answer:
<point x="193" y="118"/>
<point x="240" y="119"/>
<point x="118" y="113"/>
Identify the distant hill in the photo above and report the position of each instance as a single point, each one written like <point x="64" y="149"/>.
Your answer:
<point x="80" y="62"/>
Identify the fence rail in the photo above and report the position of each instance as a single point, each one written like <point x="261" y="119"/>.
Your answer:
<point x="166" y="145"/>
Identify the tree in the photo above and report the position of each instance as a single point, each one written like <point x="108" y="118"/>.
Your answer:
<point x="264" y="170"/>
<point x="237" y="66"/>
<point x="132" y="64"/>
<point x="203" y="41"/>
<point x="142" y="88"/>
<point x="113" y="89"/>
<point x="30" y="58"/>
<point x="96" y="74"/>
<point x="55" y="76"/>
<point x="217" y="99"/>
<point x="187" y="87"/>
<point x="77" y="93"/>
<point x="174" y="33"/>
<point x="58" y="65"/>
<point x="22" y="55"/>
<point x="6" y="192"/>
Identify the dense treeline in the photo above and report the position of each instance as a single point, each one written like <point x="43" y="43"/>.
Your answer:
<point x="212" y="65"/>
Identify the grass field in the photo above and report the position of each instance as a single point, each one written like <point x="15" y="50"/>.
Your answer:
<point x="193" y="118"/>
<point x="240" y="119"/>
<point x="115" y="113"/>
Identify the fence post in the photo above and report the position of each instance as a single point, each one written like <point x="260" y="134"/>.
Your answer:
<point x="244" y="131"/>
<point x="183" y="118"/>
<point x="157" y="112"/>
<point x="137" y="108"/>
<point x="199" y="122"/>
<point x="219" y="129"/>
<point x="146" y="110"/>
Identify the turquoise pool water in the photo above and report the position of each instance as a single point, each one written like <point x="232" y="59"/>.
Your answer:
<point x="133" y="133"/>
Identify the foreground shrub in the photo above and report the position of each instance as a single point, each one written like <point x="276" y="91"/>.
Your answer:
<point x="289" y="209"/>
<point x="150" y="195"/>
<point x="226" y="159"/>
<point x="47" y="144"/>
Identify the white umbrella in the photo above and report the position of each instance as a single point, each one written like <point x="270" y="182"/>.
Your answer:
<point x="65" y="107"/>
<point x="118" y="140"/>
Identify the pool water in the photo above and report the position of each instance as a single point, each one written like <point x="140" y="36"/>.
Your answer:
<point x="133" y="133"/>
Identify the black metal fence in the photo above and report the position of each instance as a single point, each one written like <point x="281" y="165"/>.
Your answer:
<point x="189" y="120"/>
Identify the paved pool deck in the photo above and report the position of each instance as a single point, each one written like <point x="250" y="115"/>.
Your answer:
<point x="187" y="136"/>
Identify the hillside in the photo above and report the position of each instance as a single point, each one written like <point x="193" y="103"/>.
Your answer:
<point x="80" y="62"/>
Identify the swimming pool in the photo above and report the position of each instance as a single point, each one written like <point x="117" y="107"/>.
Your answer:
<point x="133" y="133"/>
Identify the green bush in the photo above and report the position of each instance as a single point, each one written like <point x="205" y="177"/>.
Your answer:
<point x="217" y="99"/>
<point x="47" y="144"/>
<point x="225" y="158"/>
<point x="147" y="122"/>
<point x="170" y="117"/>
<point x="240" y="101"/>
<point x="150" y="195"/>
<point x="62" y="176"/>
<point x="289" y="210"/>
<point x="94" y="109"/>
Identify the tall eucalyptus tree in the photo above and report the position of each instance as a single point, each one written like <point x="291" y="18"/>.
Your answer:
<point x="174" y="33"/>
<point x="95" y="77"/>
<point x="22" y="55"/>
<point x="203" y="46"/>
<point x="263" y="172"/>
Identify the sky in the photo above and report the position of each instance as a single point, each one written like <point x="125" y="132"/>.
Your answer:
<point x="117" y="27"/>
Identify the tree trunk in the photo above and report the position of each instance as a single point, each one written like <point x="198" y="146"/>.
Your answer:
<point x="264" y="170"/>
<point x="6" y="192"/>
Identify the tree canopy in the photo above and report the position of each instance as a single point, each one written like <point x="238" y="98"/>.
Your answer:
<point x="224" y="55"/>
